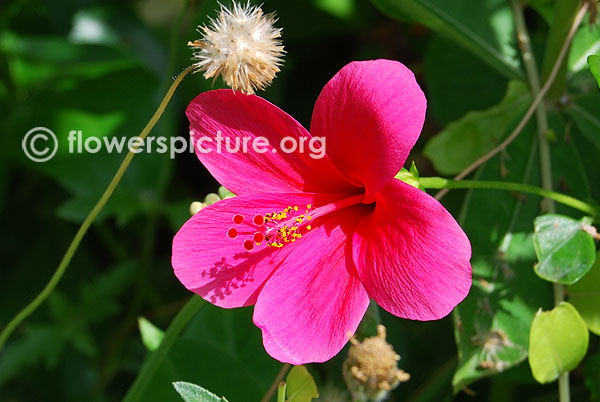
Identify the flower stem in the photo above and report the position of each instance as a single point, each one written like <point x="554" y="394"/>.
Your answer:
<point x="274" y="386"/>
<point x="281" y="391"/>
<point x="64" y="263"/>
<point x="157" y="357"/>
<point x="441" y="183"/>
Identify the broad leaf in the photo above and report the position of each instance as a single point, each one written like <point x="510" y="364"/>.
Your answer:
<point x="569" y="168"/>
<point x="565" y="251"/>
<point x="585" y="135"/>
<point x="585" y="112"/>
<point x="454" y="78"/>
<point x="466" y="140"/>
<point x="301" y="386"/>
<point x="216" y="341"/>
<point x="38" y="344"/>
<point x="484" y="27"/>
<point x="46" y="344"/>
<point x="544" y="7"/>
<point x="60" y="70"/>
<point x="195" y="393"/>
<point x="557" y="343"/>
<point x="594" y="62"/>
<point x="585" y="43"/>
<point x="585" y="296"/>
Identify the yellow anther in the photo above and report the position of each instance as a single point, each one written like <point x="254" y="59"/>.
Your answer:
<point x="308" y="227"/>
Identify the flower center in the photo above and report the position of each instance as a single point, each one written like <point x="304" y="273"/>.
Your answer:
<point x="279" y="228"/>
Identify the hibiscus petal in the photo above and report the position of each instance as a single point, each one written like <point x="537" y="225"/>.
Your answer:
<point x="314" y="300"/>
<point x="371" y="114"/>
<point x="224" y="120"/>
<point x="218" y="268"/>
<point x="411" y="255"/>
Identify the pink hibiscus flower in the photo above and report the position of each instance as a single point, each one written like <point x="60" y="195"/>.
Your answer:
<point x="309" y="241"/>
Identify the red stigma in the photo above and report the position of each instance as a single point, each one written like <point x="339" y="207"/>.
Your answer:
<point x="248" y="245"/>
<point x="259" y="220"/>
<point x="238" y="219"/>
<point x="258" y="237"/>
<point x="232" y="233"/>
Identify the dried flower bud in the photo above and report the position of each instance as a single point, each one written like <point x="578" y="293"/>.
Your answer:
<point x="242" y="45"/>
<point x="371" y="368"/>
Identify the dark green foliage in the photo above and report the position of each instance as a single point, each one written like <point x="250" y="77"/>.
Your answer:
<point x="83" y="344"/>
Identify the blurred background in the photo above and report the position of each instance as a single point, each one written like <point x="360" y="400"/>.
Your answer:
<point x="102" y="67"/>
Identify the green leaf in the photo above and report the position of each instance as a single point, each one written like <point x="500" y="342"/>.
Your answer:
<point x="230" y="344"/>
<point x="569" y="169"/>
<point x="454" y="78"/>
<point x="37" y="344"/>
<point x="585" y="135"/>
<point x="565" y="251"/>
<point x="194" y="393"/>
<point x="84" y="106"/>
<point x="301" y="386"/>
<point x="558" y="342"/>
<point x="466" y="140"/>
<point x="483" y="27"/>
<point x="594" y="62"/>
<point x="343" y="9"/>
<point x="71" y="325"/>
<point x="492" y="323"/>
<point x="152" y="336"/>
<point x="544" y="7"/>
<point x="586" y="42"/>
<point x="46" y="58"/>
<point x="584" y="111"/>
<point x="585" y="296"/>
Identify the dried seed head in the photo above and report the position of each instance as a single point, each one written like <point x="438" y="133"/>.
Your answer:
<point x="371" y="368"/>
<point x="242" y="45"/>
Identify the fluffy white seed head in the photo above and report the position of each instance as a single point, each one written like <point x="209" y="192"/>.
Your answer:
<point x="242" y="45"/>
